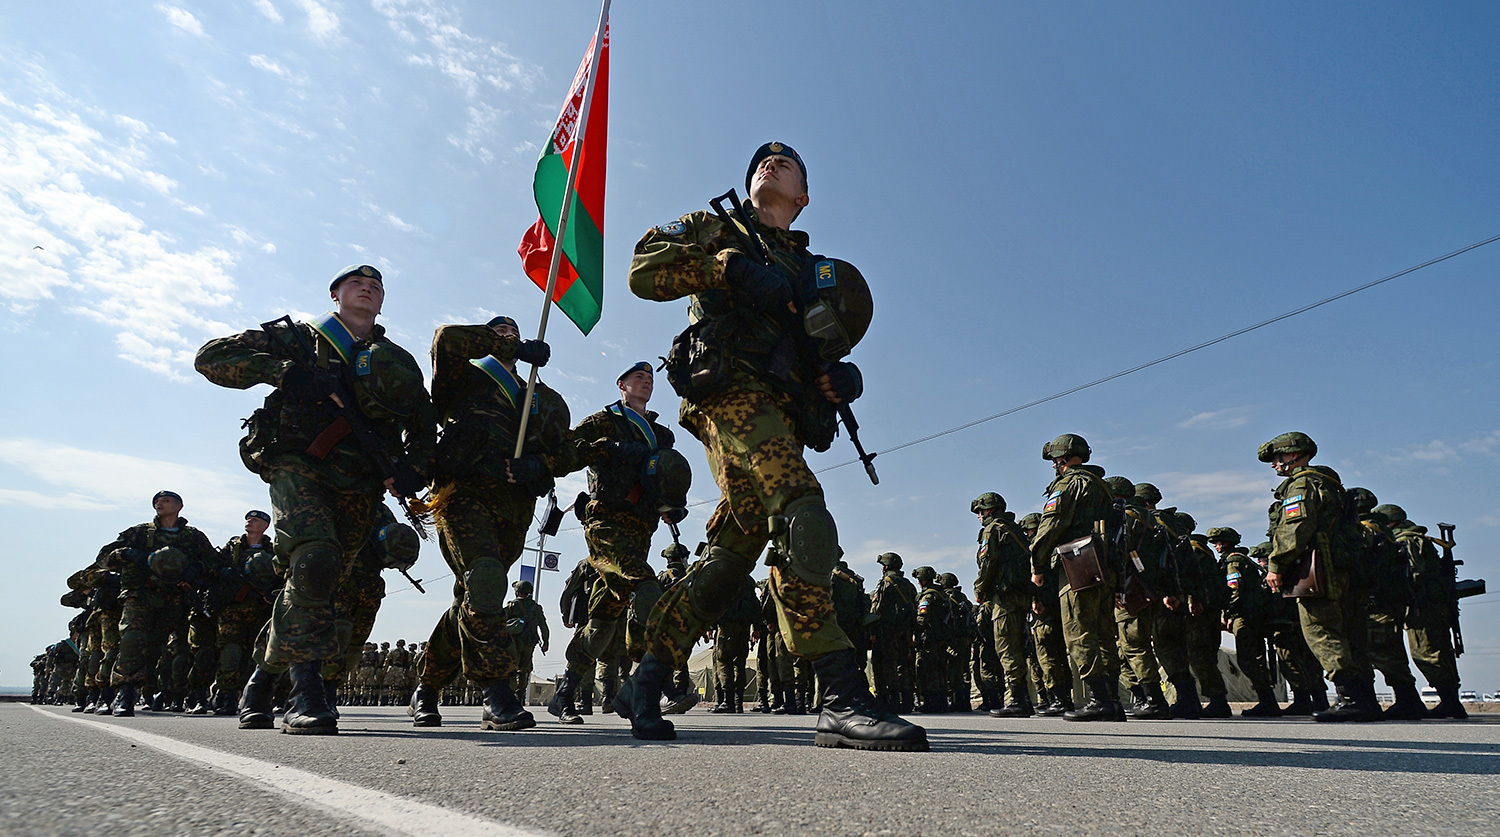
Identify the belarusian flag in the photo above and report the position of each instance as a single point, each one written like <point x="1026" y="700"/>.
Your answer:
<point x="579" y="291"/>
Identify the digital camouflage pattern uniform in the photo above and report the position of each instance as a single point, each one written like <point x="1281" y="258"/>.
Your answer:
<point x="391" y="544"/>
<point x="246" y="587"/>
<point x="324" y="496"/>
<point x="1003" y="588"/>
<point x="533" y="630"/>
<point x="482" y="518"/>
<point x="1077" y="501"/>
<point x="895" y="608"/>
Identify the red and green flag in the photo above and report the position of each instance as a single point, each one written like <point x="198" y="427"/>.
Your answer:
<point x="579" y="290"/>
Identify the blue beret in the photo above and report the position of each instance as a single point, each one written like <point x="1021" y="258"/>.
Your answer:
<point x="770" y="148"/>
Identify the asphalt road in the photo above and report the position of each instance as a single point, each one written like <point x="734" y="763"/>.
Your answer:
<point x="746" y="774"/>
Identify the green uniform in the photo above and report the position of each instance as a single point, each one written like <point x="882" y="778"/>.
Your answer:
<point x="531" y="631"/>
<point x="961" y="637"/>
<point x="932" y="647"/>
<point x="324" y="491"/>
<point x="1204" y="585"/>
<point x="1431" y="613"/>
<point x="895" y="607"/>
<point x="1078" y="501"/>
<point x="151" y="605"/>
<point x="246" y="587"/>
<point x="1152" y="640"/>
<point x="481" y="516"/>
<point x="1003" y="588"/>
<point x="1389" y="572"/>
<point x="1248" y="615"/>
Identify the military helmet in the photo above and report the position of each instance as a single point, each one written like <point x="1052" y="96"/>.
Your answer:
<point x="1065" y="446"/>
<point x="384" y="382"/>
<point x="401" y="544"/>
<point x="1293" y="442"/>
<point x="167" y="563"/>
<point x="837" y="306"/>
<point x="1364" y="499"/>
<point x="924" y="573"/>
<point x="675" y="553"/>
<point x="1392" y="512"/>
<point x="522" y="587"/>
<point x="988" y="501"/>
<point x="889" y="560"/>
<point x="1031" y="521"/>
<point x="1120" y="487"/>
<point x="667" y="478"/>
<point x="1225" y="534"/>
<point x="260" y="567"/>
<point x="1185" y="522"/>
<point x="400" y="642"/>
<point x="385" y="645"/>
<point x="1147" y="493"/>
<point x="75" y="598"/>
<point x="948" y="580"/>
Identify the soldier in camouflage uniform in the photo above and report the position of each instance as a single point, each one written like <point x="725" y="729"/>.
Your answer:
<point x="1428" y="622"/>
<point x="1207" y="594"/>
<point x="242" y="597"/>
<point x="1244" y="617"/>
<point x="1389" y="571"/>
<point x="158" y="563"/>
<point x="625" y="450"/>
<point x="1078" y="504"/>
<point x="364" y="676"/>
<point x="1295" y="660"/>
<point x="758" y="387"/>
<point x="895" y="608"/>
<point x="391" y="545"/>
<point x="961" y="629"/>
<point x="1312" y="512"/>
<point x="573" y="602"/>
<point x="325" y="482"/>
<point x="534" y="632"/>
<point x="1169" y="623"/>
<point x="102" y="587"/>
<point x="678" y="694"/>
<point x="1151" y="577"/>
<point x="932" y="642"/>
<point x="1048" y="650"/>
<point x="483" y="500"/>
<point x="732" y="647"/>
<point x="1003" y="590"/>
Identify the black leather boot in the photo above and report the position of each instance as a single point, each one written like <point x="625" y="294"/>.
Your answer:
<point x="561" y="705"/>
<point x="1348" y="706"/>
<point x="1449" y="706"/>
<point x="1152" y="705"/>
<point x="307" y="711"/>
<point x="1098" y="707"/>
<point x="1019" y="705"/>
<point x="1186" y="706"/>
<point x="331" y="695"/>
<point x="197" y="701"/>
<point x="1301" y="705"/>
<point x="586" y="701"/>
<point x="224" y="703"/>
<point x="83" y="700"/>
<point x="1112" y="691"/>
<point x="503" y="710"/>
<point x="1137" y="701"/>
<point x="607" y="698"/>
<point x="1408" y="705"/>
<point x="423" y="708"/>
<point x="123" y="706"/>
<point x="779" y="702"/>
<point x="639" y="701"/>
<point x="850" y="716"/>
<point x="106" y="698"/>
<point x="1217" y="708"/>
<point x="1266" y="708"/>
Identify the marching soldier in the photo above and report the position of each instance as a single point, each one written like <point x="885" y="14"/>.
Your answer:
<point x="1207" y="595"/>
<point x="1389" y="572"/>
<point x="1244" y="617"/>
<point x="1002" y="589"/>
<point x="243" y="593"/>
<point x="895" y="608"/>
<point x="533" y="632"/>
<point x="1431" y="613"/>
<point x="1048" y="649"/>
<point x="932" y="642"/>
<point x="961" y="628"/>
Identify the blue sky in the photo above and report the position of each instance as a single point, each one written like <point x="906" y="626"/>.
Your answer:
<point x="1039" y="196"/>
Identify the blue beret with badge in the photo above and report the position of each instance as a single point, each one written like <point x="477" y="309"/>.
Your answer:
<point x="779" y="149"/>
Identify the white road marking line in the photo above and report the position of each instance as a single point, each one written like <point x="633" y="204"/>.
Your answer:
<point x="393" y="813"/>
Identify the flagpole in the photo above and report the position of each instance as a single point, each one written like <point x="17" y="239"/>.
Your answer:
<point x="562" y="221"/>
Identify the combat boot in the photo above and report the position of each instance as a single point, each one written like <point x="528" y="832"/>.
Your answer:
<point x="1217" y="708"/>
<point x="1300" y="707"/>
<point x="778" y="704"/>
<point x="607" y="698"/>
<point x="1137" y="701"/>
<point x="1186" y="706"/>
<point x="1019" y="706"/>
<point x="639" y="701"/>
<point x="82" y="701"/>
<point x="123" y="706"/>
<point x="561" y="705"/>
<point x="850" y="715"/>
<point x="1098" y="707"/>
<point x="307" y="711"/>
<point x="1152" y="706"/>
<point x="1053" y="706"/>
<point x="678" y="701"/>
<point x="1365" y="694"/>
<point x="106" y="698"/>
<point x="331" y="695"/>
<point x="1320" y="698"/>
<point x="423" y="708"/>
<point x="1112" y="691"/>
<point x="503" y="710"/>
<point x="1348" y="707"/>
<point x="176" y="701"/>
<point x="1266" y="708"/>
<point x="223" y="703"/>
<point x="722" y="706"/>
<point x="197" y="701"/>
<point x="1449" y="706"/>
<point x="1408" y="705"/>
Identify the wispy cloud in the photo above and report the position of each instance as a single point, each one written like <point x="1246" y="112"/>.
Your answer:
<point x="322" y="23"/>
<point x="395" y="220"/>
<point x="1219" y="498"/>
<point x="268" y="10"/>
<point x="276" y="68"/>
<point x="182" y="19"/>
<point x="1227" y="419"/>
<point x="1444" y="451"/>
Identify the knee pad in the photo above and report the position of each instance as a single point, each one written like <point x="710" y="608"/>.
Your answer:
<point x="230" y="657"/>
<point x="484" y="588"/>
<point x="312" y="575"/>
<point x="643" y="599"/>
<point x="715" y="582"/>
<point x="806" y="535"/>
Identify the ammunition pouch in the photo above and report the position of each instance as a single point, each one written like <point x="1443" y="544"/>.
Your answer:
<point x="699" y="363"/>
<point x="459" y="449"/>
<point x="260" y="435"/>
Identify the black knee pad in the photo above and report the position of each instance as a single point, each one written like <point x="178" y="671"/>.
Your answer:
<point x="806" y="535"/>
<point x="716" y="582"/>
<point x="312" y="575"/>
<point x="484" y="588"/>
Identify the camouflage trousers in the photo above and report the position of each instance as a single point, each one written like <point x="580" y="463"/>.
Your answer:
<point x="147" y="618"/>
<point x="888" y="657"/>
<point x="625" y="591"/>
<point x="731" y="649"/>
<point x="1007" y="616"/>
<point x="1336" y="632"/>
<point x="932" y="673"/>
<point x="239" y="623"/>
<point x="520" y="679"/>
<point x="757" y="463"/>
<point x="1204" y="634"/>
<point x="1139" y="666"/>
<point x="104" y="640"/>
<point x="794" y="672"/>
<point x="960" y="686"/>
<point x="328" y="527"/>
<point x="355" y="607"/>
<point x="482" y="530"/>
<point x="1432" y="647"/>
<point x="1088" y="622"/>
<point x="765" y="663"/>
<point x="1295" y="659"/>
<point x="1250" y="651"/>
<point x="1388" y="650"/>
<point x="1169" y="640"/>
<point x="1051" y="648"/>
<point x="203" y="647"/>
<point x="985" y="663"/>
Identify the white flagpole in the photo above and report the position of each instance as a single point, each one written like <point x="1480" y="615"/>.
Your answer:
<point x="562" y="221"/>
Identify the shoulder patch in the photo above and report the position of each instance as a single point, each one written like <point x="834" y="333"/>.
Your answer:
<point x="672" y="228"/>
<point x="1291" y="511"/>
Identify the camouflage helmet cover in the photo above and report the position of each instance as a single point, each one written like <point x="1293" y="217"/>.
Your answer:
<point x="1147" y="492"/>
<point x="167" y="563"/>
<point x="1225" y="534"/>
<point x="1293" y="442"/>
<point x="1364" y="500"/>
<point x="837" y="306"/>
<point x="988" y="501"/>
<point x="1031" y="521"/>
<point x="948" y="580"/>
<point x="1120" y="487"/>
<point x="523" y="587"/>
<point x="924" y="573"/>
<point x="668" y="476"/>
<point x="1391" y="512"/>
<point x="1066" y="445"/>
<point x="1185" y="522"/>
<point x="889" y="560"/>
<point x="401" y="542"/>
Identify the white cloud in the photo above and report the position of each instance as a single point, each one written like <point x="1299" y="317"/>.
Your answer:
<point x="275" y="68"/>
<point x="92" y="480"/>
<point x="182" y="19"/>
<point x="1220" y="498"/>
<point x="268" y="10"/>
<point x="1227" y="419"/>
<point x="322" y="23"/>
<point x="395" y="221"/>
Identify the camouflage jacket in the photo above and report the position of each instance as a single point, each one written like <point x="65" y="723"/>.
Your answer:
<point x="1432" y="580"/>
<point x="613" y="484"/>
<point x="1204" y="582"/>
<point x="533" y="619"/>
<point x="851" y="606"/>
<point x="895" y="602"/>
<point x="1076" y="501"/>
<point x="127" y="553"/>
<point x="932" y="616"/>
<point x="1004" y="559"/>
<point x="248" y="574"/>
<point x="387" y="384"/>
<point x="1388" y="569"/>
<point x="1149" y="541"/>
<point x="1248" y="595"/>
<point x="1309" y="514"/>
<point x="478" y="417"/>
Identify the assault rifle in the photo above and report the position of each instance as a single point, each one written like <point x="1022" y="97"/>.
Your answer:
<point x="753" y="247"/>
<point x="346" y="408"/>
<point x="1458" y="589"/>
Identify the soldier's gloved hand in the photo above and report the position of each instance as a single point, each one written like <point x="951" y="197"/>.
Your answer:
<point x="302" y="384"/>
<point x="534" y="352"/>
<point x="126" y="556"/>
<point x="629" y="452"/>
<point x="766" y="288"/>
<point x="527" y="469"/>
<point x="845" y="382"/>
<point x="406" y="482"/>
